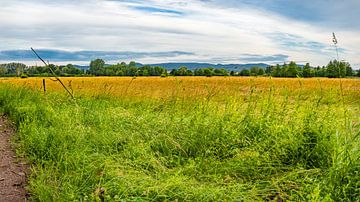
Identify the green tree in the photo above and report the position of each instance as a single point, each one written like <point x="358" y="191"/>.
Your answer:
<point x="208" y="72"/>
<point x="189" y="73"/>
<point x="72" y="70"/>
<point x="277" y="71"/>
<point x="261" y="72"/>
<point x="336" y="69"/>
<point x="56" y="69"/>
<point x="349" y="71"/>
<point x="132" y="70"/>
<point x="292" y="70"/>
<point x="3" y="71"/>
<point x="254" y="71"/>
<point x="182" y="71"/>
<point x="221" y="72"/>
<point x="199" y="72"/>
<point x="332" y="70"/>
<point x="173" y="72"/>
<point x="97" y="67"/>
<point x="245" y="72"/>
<point x="132" y="64"/>
<point x="319" y="72"/>
<point x="307" y="71"/>
<point x="269" y="70"/>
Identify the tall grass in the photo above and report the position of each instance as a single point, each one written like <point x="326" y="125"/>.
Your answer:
<point x="265" y="145"/>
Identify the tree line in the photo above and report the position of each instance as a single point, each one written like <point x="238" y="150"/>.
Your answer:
<point x="335" y="69"/>
<point x="98" y="67"/>
<point x="21" y="70"/>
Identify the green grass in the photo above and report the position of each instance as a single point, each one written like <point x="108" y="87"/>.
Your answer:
<point x="259" y="148"/>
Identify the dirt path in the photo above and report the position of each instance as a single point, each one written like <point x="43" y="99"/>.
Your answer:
<point x="12" y="172"/>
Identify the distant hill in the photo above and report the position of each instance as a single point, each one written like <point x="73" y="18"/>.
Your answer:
<point x="192" y="66"/>
<point x="82" y="67"/>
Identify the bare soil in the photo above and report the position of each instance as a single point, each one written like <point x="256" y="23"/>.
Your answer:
<point x="13" y="170"/>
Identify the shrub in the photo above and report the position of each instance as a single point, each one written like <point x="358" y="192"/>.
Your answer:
<point x="24" y="76"/>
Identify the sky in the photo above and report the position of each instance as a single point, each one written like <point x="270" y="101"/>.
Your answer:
<point x="154" y="31"/>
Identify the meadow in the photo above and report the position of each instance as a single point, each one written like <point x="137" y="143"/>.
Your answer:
<point x="188" y="138"/>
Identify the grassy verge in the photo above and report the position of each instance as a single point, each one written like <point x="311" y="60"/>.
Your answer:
<point x="259" y="147"/>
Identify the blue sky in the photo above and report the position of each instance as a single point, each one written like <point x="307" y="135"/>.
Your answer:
<point x="152" y="31"/>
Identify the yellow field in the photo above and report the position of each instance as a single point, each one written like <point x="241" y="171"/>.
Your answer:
<point x="194" y="87"/>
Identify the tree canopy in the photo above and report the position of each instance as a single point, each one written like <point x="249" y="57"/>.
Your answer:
<point x="98" y="67"/>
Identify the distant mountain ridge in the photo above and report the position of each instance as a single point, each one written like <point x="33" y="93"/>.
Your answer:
<point x="194" y="65"/>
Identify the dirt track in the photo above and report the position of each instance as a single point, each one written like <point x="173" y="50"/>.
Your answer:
<point x="12" y="170"/>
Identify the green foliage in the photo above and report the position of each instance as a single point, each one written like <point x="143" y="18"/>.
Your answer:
<point x="261" y="72"/>
<point x="208" y="72"/>
<point x="211" y="72"/>
<point x="98" y="67"/>
<point x="245" y="72"/>
<point x="292" y="70"/>
<point x="182" y="71"/>
<point x="221" y="72"/>
<point x="336" y="69"/>
<point x="24" y="76"/>
<point x="3" y="71"/>
<point x="151" y="71"/>
<point x="122" y="69"/>
<point x="255" y="71"/>
<point x="307" y="71"/>
<point x="14" y="69"/>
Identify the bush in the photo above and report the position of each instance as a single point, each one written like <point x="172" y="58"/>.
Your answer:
<point x="24" y="76"/>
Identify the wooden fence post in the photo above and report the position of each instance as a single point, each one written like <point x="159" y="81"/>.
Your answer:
<point x="44" y="85"/>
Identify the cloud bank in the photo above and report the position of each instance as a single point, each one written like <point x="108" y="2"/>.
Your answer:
<point x="63" y="56"/>
<point x="152" y="31"/>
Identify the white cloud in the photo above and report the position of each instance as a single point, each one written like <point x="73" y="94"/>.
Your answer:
<point x="209" y="31"/>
